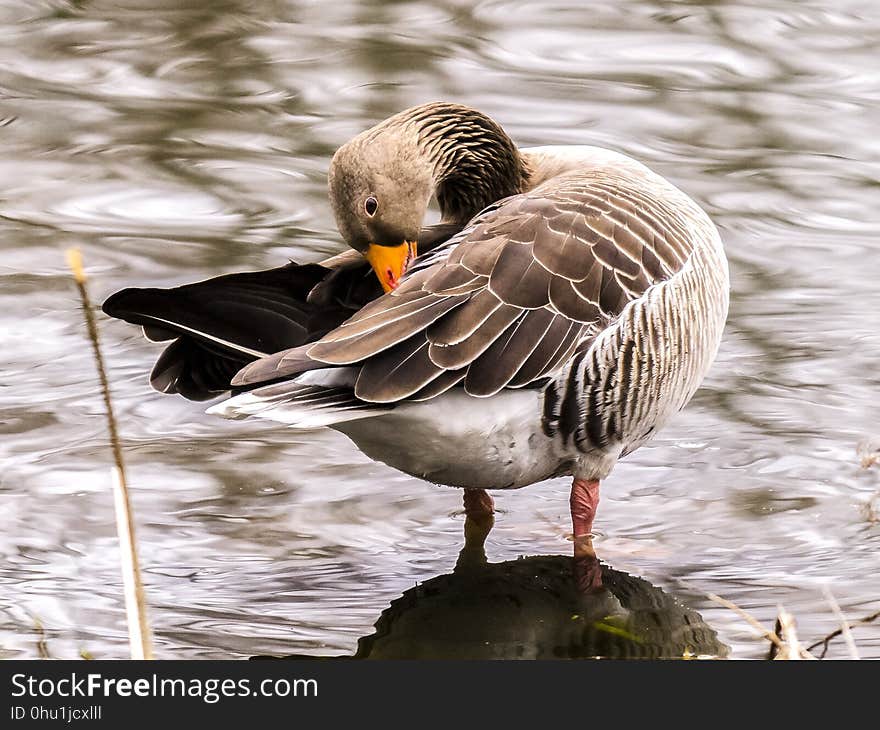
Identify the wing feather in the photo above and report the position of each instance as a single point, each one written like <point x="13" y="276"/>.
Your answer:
<point x="495" y="368"/>
<point x="465" y="352"/>
<point x="460" y="324"/>
<point x="518" y="278"/>
<point x="560" y="333"/>
<point x="374" y="341"/>
<point x="509" y="300"/>
<point x="440" y="385"/>
<point x="397" y="373"/>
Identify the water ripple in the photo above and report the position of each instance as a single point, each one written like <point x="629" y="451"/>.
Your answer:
<point x="182" y="141"/>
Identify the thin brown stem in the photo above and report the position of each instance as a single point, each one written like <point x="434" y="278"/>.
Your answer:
<point x="752" y="621"/>
<point x="837" y="632"/>
<point x="135" y="601"/>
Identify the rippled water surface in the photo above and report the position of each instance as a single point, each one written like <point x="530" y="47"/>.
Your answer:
<point x="190" y="139"/>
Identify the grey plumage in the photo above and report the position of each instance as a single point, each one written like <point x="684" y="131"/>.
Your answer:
<point x="596" y="282"/>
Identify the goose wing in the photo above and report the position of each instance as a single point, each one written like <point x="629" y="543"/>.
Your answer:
<point x="506" y="302"/>
<point x="215" y="327"/>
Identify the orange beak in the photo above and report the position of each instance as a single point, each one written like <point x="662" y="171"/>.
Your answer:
<point x="391" y="262"/>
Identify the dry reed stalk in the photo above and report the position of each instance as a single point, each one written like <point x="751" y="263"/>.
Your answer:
<point x="782" y="648"/>
<point x="135" y="601"/>
<point x="751" y="620"/>
<point x="791" y="647"/>
<point x="844" y="625"/>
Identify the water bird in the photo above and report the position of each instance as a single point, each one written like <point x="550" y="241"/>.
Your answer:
<point x="568" y="304"/>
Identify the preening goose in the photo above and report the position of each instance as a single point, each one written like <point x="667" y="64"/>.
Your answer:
<point x="579" y="305"/>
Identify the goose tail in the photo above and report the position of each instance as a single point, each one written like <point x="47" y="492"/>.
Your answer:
<point x="300" y="406"/>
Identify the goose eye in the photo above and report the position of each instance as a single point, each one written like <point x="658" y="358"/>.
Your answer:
<point x="371" y="205"/>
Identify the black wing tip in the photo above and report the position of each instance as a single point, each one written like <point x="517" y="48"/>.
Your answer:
<point x="114" y="304"/>
<point x="185" y="369"/>
<point x="133" y="304"/>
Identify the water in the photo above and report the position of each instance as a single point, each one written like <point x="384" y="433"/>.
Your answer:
<point x="191" y="139"/>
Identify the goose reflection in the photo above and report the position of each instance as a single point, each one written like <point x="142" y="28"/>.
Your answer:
<point x="537" y="607"/>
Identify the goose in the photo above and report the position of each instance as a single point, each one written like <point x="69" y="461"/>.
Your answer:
<point x="572" y="303"/>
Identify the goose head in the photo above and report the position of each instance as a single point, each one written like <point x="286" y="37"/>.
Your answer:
<point x="382" y="181"/>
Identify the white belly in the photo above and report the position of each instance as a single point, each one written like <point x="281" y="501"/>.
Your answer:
<point x="462" y="441"/>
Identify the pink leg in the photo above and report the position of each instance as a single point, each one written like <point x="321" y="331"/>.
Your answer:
<point x="584" y="503"/>
<point x="478" y="503"/>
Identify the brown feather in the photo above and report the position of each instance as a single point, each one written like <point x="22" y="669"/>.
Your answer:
<point x="569" y="303"/>
<point x="590" y="286"/>
<point x="396" y="373"/>
<point x="373" y="342"/>
<point x="278" y="365"/>
<point x="634" y="287"/>
<point x="559" y="334"/>
<point x="439" y="385"/>
<point x="518" y="279"/>
<point x="464" y="321"/>
<point x="568" y="347"/>
<point x="629" y="237"/>
<point x="479" y="255"/>
<point x="514" y="223"/>
<point x="493" y="370"/>
<point x="361" y="323"/>
<point x="612" y="298"/>
<point x="569" y="255"/>
<point x="384" y="303"/>
<point x="608" y="252"/>
<point x="652" y="265"/>
<point x="456" y="356"/>
<point x="452" y="279"/>
<point x="657" y="228"/>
